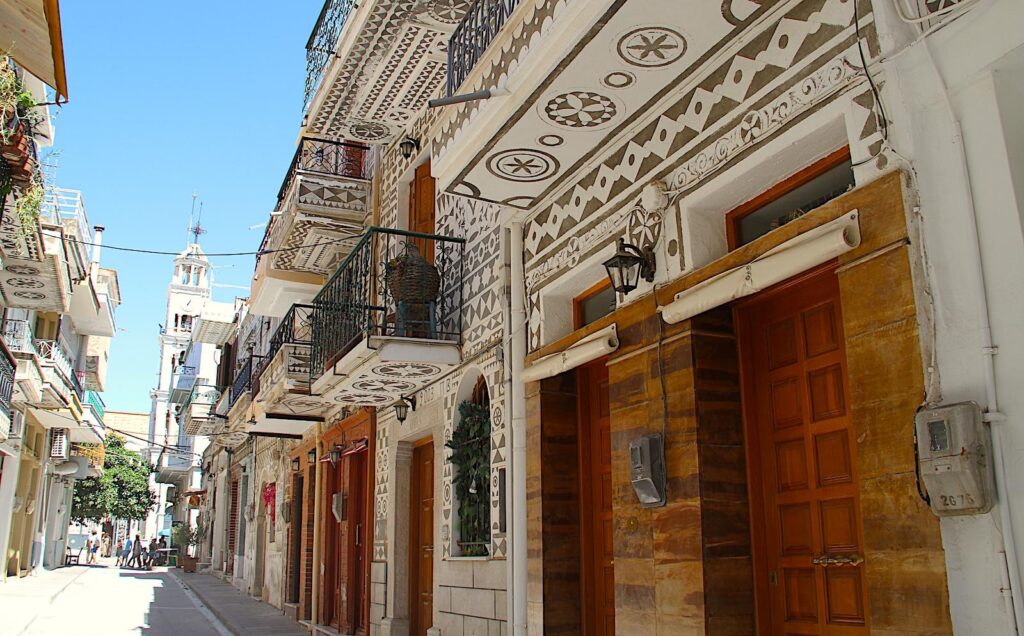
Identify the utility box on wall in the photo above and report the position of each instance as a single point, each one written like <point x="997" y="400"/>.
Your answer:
<point x="954" y="449"/>
<point x="647" y="470"/>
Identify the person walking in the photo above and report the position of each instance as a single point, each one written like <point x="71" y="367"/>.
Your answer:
<point x="119" y="552"/>
<point x="91" y="546"/>
<point x="151" y="555"/>
<point x="136" y="557"/>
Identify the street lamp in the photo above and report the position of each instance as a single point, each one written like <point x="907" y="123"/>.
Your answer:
<point x="408" y="146"/>
<point x="628" y="265"/>
<point x="402" y="408"/>
<point x="335" y="454"/>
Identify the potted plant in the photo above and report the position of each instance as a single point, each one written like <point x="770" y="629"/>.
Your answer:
<point x="186" y="537"/>
<point x="470" y="445"/>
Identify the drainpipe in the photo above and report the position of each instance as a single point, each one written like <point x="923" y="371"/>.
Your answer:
<point x="517" y="408"/>
<point x="97" y="241"/>
<point x="1010" y="573"/>
<point x="317" y="511"/>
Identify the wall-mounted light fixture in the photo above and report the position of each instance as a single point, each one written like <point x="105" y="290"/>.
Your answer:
<point x="408" y="146"/>
<point x="334" y="455"/>
<point x="295" y="465"/>
<point x="311" y="456"/>
<point x="402" y="408"/>
<point x="629" y="264"/>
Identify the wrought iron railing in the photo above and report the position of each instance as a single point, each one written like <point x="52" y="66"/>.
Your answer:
<point x="295" y="329"/>
<point x="185" y="369"/>
<point x="19" y="338"/>
<point x="474" y="34"/>
<point x="333" y="158"/>
<point x="394" y="283"/>
<point x="322" y="42"/>
<point x="243" y="379"/>
<point x="202" y="394"/>
<point x="7" y="370"/>
<point x="93" y="399"/>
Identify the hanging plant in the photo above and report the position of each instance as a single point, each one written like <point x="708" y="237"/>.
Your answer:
<point x="28" y="202"/>
<point x="14" y="100"/>
<point x="470" y="445"/>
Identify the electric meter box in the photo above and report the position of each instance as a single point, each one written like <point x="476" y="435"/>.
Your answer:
<point x="647" y="470"/>
<point x="954" y="451"/>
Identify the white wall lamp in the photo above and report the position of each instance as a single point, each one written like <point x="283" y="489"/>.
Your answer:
<point x="628" y="265"/>
<point x="402" y="408"/>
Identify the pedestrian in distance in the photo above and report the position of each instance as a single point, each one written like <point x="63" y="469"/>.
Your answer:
<point x="151" y="554"/>
<point x="119" y="552"/>
<point x="135" y="561"/>
<point x="91" y="546"/>
<point x="127" y="553"/>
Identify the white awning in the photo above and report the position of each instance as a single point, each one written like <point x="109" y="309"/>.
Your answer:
<point x="30" y="33"/>
<point x="796" y="255"/>
<point x="600" y="343"/>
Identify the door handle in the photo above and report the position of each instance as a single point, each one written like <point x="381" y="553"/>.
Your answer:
<point x="837" y="560"/>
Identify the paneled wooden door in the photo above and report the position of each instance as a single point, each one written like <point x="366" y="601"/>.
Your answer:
<point x="596" y="521"/>
<point x="802" y="467"/>
<point x="421" y="541"/>
<point x="422" y="194"/>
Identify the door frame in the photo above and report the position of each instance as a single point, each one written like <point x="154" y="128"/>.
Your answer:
<point x="414" y="533"/>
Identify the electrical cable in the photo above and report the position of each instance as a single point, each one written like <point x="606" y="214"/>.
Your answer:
<point x="137" y="250"/>
<point x="880" y="115"/>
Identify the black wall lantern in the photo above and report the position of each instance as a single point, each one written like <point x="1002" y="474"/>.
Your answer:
<point x="311" y="456"/>
<point x="403" y="406"/>
<point x="334" y="455"/>
<point x="295" y="465"/>
<point x="629" y="265"/>
<point x="408" y="146"/>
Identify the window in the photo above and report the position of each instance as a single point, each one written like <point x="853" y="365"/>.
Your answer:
<point x="471" y="446"/>
<point x="804" y="191"/>
<point x="593" y="304"/>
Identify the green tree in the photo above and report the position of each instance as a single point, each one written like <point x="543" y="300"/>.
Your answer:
<point x="122" y="491"/>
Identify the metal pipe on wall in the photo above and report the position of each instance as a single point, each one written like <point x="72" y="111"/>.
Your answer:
<point x="517" y="339"/>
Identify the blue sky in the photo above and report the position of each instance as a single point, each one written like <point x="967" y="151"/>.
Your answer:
<point x="167" y="99"/>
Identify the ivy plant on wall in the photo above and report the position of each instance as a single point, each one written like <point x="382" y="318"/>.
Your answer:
<point x="470" y="445"/>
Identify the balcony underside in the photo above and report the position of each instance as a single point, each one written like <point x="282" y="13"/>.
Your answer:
<point x="390" y="60"/>
<point x="380" y="370"/>
<point x="616" y="88"/>
<point x="91" y="312"/>
<point x="284" y="385"/>
<point x="79" y="430"/>
<point x="236" y="426"/>
<point x="41" y="285"/>
<point x="28" y="380"/>
<point x="282" y="426"/>
<point x="275" y="290"/>
<point x="215" y="324"/>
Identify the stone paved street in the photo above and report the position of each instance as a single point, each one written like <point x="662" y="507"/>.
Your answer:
<point x="104" y="601"/>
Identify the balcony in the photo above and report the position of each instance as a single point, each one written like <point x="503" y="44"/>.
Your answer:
<point x="43" y="265"/>
<point x="321" y="207"/>
<point x="196" y="414"/>
<point x="174" y="464"/>
<point x="372" y="66"/>
<point x="93" y="410"/>
<point x="18" y="149"/>
<point x="389" y="321"/>
<point x="473" y="36"/>
<point x="8" y="368"/>
<point x="281" y="385"/>
<point x="183" y="378"/>
<point x="61" y="386"/>
<point x="93" y="302"/>
<point x="215" y="323"/>
<point x="28" y="377"/>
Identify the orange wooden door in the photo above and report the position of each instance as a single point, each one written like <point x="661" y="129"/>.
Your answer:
<point x="596" y="521"/>
<point x="421" y="544"/>
<point x="421" y="209"/>
<point x="351" y="602"/>
<point x="804" y="488"/>
<point x="332" y="550"/>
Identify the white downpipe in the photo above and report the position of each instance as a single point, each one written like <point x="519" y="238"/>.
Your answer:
<point x="1014" y="602"/>
<point x="517" y="359"/>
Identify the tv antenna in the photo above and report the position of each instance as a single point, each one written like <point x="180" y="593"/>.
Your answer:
<point x="195" y="227"/>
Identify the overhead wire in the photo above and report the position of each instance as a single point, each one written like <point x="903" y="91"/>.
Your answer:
<point x="139" y="250"/>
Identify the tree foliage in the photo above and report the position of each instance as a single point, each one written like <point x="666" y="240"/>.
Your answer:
<point x="121" y="492"/>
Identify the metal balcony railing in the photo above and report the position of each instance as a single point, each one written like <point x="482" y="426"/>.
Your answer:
<point x="474" y="34"/>
<point x="202" y="394"/>
<point x="322" y="42"/>
<point x="93" y="399"/>
<point x="7" y="370"/>
<point x="394" y="283"/>
<point x="295" y="329"/>
<point x="332" y="158"/>
<point x="18" y="337"/>
<point x="184" y="369"/>
<point x="243" y="380"/>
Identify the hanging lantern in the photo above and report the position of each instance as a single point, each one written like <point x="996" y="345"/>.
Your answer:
<point x="628" y="265"/>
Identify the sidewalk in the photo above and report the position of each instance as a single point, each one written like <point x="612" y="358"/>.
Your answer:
<point x="241" y="614"/>
<point x="21" y="599"/>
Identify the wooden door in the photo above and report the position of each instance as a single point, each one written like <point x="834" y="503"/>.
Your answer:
<point x="421" y="543"/>
<point x="350" y="604"/>
<point x="802" y="467"/>
<point x="333" y="548"/>
<point x="596" y="523"/>
<point x="421" y="209"/>
<point x="295" y="536"/>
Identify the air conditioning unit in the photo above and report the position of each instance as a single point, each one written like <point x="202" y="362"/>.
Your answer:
<point x="17" y="425"/>
<point x="59" y="445"/>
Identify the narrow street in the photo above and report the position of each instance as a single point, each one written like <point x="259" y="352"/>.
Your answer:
<point x="104" y="600"/>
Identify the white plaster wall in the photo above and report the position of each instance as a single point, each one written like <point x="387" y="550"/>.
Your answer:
<point x="976" y="59"/>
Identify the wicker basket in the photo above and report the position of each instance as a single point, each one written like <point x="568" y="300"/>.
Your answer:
<point x="410" y="278"/>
